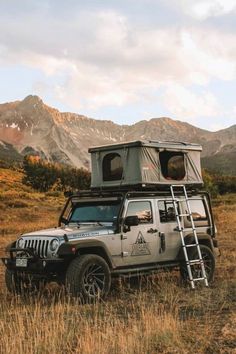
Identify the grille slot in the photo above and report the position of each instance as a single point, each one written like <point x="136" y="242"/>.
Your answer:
<point x="40" y="246"/>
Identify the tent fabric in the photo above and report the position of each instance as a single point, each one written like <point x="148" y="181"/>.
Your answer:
<point x="142" y="166"/>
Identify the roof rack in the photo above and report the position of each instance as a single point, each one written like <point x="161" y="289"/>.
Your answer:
<point x="129" y="193"/>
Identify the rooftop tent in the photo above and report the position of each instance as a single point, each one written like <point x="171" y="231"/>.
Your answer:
<point x="146" y="164"/>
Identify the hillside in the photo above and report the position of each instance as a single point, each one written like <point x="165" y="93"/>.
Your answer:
<point x="31" y="127"/>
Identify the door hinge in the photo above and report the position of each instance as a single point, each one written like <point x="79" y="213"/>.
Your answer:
<point x="123" y="237"/>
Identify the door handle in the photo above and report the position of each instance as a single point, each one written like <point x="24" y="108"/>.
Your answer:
<point x="152" y="231"/>
<point x="162" y="242"/>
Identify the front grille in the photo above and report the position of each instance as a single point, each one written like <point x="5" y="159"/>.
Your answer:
<point x="39" y="245"/>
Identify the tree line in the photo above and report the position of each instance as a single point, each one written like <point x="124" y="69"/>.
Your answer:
<point x="44" y="176"/>
<point x="218" y="184"/>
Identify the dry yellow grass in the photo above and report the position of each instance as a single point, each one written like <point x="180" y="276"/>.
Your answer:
<point x="159" y="317"/>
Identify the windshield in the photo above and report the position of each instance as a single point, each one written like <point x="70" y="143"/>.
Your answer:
<point x="106" y="211"/>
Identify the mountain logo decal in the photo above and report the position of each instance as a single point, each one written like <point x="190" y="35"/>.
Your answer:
<point x="140" y="247"/>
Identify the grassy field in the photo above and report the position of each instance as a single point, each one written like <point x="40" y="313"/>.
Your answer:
<point x="160" y="316"/>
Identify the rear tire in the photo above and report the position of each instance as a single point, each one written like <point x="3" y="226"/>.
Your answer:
<point x="88" y="277"/>
<point x="209" y="264"/>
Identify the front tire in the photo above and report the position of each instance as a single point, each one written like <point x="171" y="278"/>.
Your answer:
<point x="209" y="264"/>
<point x="88" y="278"/>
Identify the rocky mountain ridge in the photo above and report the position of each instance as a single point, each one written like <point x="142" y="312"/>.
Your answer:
<point x="32" y="127"/>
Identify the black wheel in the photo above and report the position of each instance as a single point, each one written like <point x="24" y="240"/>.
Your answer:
<point x="88" y="277"/>
<point x="21" y="284"/>
<point x="209" y="264"/>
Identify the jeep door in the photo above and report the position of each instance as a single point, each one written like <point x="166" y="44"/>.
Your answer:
<point x="140" y="243"/>
<point x="170" y="240"/>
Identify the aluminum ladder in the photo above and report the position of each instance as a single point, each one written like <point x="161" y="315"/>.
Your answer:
<point x="189" y="262"/>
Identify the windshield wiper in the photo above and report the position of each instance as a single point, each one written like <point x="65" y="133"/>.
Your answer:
<point x="74" y="222"/>
<point x="95" y="222"/>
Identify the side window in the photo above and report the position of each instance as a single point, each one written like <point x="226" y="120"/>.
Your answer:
<point x="198" y="210"/>
<point x="172" y="165"/>
<point x="142" y="209"/>
<point x="112" y="168"/>
<point x="166" y="211"/>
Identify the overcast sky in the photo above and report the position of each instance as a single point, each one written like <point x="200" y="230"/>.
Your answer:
<point x="123" y="60"/>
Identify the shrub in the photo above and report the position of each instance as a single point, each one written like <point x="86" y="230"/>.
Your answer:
<point x="45" y="176"/>
<point x="209" y="184"/>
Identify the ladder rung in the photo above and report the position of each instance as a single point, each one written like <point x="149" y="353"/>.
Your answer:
<point x="181" y="200"/>
<point x="195" y="261"/>
<point x="184" y="214"/>
<point x="178" y="185"/>
<point x="192" y="245"/>
<point x="197" y="279"/>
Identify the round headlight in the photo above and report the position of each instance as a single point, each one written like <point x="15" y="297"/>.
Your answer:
<point x="21" y="243"/>
<point x="54" y="244"/>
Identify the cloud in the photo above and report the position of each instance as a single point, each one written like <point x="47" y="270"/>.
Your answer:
<point x="184" y="104"/>
<point x="203" y="9"/>
<point x="87" y="87"/>
<point x="102" y="58"/>
<point x="208" y="55"/>
<point x="232" y="114"/>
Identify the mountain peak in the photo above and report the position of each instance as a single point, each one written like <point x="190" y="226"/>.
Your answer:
<point x="31" y="100"/>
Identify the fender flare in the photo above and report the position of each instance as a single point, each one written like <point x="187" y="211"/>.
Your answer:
<point x="75" y="248"/>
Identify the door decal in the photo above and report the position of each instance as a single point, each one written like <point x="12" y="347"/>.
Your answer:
<point x="140" y="247"/>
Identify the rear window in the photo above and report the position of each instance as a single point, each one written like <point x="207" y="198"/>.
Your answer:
<point x="172" y="165"/>
<point x="197" y="206"/>
<point x="198" y="209"/>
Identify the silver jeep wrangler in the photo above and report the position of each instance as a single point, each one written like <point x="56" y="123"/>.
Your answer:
<point x="106" y="234"/>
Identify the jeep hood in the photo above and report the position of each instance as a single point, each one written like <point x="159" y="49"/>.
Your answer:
<point x="73" y="231"/>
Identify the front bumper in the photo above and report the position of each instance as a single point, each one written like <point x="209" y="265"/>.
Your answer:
<point x="32" y="263"/>
<point x="40" y="266"/>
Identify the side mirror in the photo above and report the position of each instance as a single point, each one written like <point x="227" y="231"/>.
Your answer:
<point x="132" y="220"/>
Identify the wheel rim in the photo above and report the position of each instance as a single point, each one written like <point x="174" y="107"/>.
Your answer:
<point x="94" y="280"/>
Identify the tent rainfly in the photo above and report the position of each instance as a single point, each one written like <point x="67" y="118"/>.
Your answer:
<point x="146" y="164"/>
